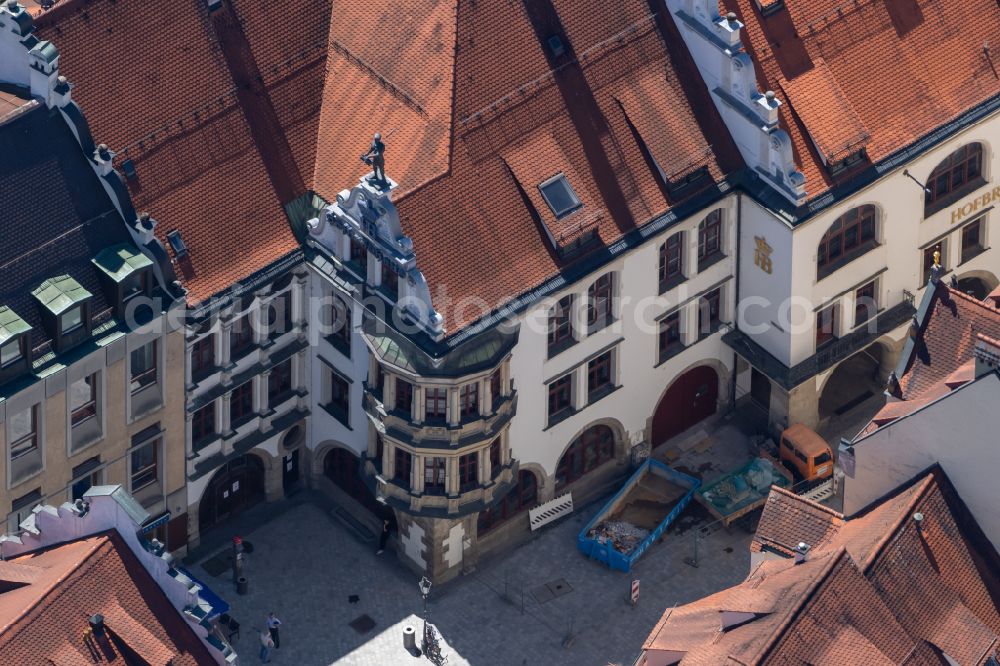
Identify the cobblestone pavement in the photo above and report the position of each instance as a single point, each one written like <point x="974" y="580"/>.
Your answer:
<point x="306" y="565"/>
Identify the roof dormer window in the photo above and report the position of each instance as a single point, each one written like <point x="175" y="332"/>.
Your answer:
<point x="124" y="272"/>
<point x="13" y="338"/>
<point x="560" y="196"/>
<point x="65" y="305"/>
<point x="10" y="353"/>
<point x="72" y="319"/>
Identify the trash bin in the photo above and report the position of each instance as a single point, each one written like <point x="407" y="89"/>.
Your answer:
<point x="242" y="585"/>
<point x="410" y="638"/>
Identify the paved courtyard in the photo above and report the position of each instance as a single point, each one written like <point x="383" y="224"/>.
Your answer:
<point x="306" y="566"/>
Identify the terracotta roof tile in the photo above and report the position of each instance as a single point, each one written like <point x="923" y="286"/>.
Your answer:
<point x="45" y="621"/>
<point x="874" y="589"/>
<point x="452" y="86"/>
<point x="946" y="340"/>
<point x="501" y="251"/>
<point x="829" y="118"/>
<point x="905" y="68"/>
<point x="197" y="167"/>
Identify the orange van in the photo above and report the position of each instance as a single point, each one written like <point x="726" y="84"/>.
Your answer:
<point x="805" y="453"/>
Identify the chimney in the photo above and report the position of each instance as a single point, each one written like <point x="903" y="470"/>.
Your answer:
<point x="801" y="552"/>
<point x="145" y="226"/>
<point x="103" y="157"/>
<point x="987" y="354"/>
<point x="728" y="28"/>
<point x="97" y="625"/>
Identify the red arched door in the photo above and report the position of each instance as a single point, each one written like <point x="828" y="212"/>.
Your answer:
<point x="691" y="398"/>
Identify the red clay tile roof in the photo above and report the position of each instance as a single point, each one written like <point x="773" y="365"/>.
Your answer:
<point x="873" y="589"/>
<point x="905" y="68"/>
<point x="153" y="84"/>
<point x="454" y="88"/>
<point x="946" y="339"/>
<point x="45" y="620"/>
<point x="828" y="116"/>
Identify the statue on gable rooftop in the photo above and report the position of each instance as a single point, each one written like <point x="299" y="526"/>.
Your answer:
<point x="375" y="157"/>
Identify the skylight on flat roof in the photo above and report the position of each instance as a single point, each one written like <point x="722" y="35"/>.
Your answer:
<point x="559" y="195"/>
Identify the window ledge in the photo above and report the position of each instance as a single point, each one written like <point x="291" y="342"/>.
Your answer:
<point x="712" y="330"/>
<point x="561" y="346"/>
<point x="337" y="414"/>
<point x="709" y="261"/>
<point x="973" y="255"/>
<point x="85" y="444"/>
<point x="601" y="325"/>
<point x="205" y="442"/>
<point x="600" y="394"/>
<point x="556" y="419"/>
<point x="670" y="352"/>
<point x="672" y="283"/>
<point x="850" y="257"/>
<point x="242" y="421"/>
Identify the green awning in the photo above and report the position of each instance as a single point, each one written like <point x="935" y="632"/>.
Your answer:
<point x="11" y="325"/>
<point x="121" y="261"/>
<point x="59" y="294"/>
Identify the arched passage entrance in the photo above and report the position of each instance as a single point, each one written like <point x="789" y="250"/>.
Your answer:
<point x="692" y="398"/>
<point x="854" y="382"/>
<point x="977" y="284"/>
<point x="235" y="487"/>
<point x="344" y="468"/>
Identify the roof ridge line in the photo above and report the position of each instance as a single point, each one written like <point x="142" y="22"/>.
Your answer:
<point x="880" y="545"/>
<point x="103" y="538"/>
<point x="806" y="500"/>
<point x="970" y="299"/>
<point x="835" y="558"/>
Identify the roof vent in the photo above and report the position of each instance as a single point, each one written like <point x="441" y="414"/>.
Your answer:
<point x="801" y="552"/>
<point x="177" y="243"/>
<point x="97" y="625"/>
<point x="128" y="167"/>
<point x="556" y="45"/>
<point x="918" y="519"/>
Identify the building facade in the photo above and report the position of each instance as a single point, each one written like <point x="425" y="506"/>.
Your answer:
<point x="91" y="383"/>
<point x="579" y="255"/>
<point x="837" y="248"/>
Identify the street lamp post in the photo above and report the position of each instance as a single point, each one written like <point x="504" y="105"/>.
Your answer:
<point x="425" y="589"/>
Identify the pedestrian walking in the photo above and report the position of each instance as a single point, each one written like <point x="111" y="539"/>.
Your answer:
<point x="272" y="626"/>
<point x="384" y="536"/>
<point x="265" y="647"/>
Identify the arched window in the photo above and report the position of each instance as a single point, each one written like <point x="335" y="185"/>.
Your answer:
<point x="594" y="447"/>
<point x="671" y="262"/>
<point x="710" y="240"/>
<point x="561" y="325"/>
<point x="600" y="297"/>
<point x="959" y="173"/>
<point x="520" y="498"/>
<point x="850" y="236"/>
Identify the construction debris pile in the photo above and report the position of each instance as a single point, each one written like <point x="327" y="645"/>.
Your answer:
<point x="625" y="537"/>
<point x="754" y="480"/>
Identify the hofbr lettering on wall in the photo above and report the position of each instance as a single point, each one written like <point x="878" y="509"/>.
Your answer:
<point x="970" y="207"/>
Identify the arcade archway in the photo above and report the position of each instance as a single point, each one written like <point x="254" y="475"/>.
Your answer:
<point x="692" y="398"/>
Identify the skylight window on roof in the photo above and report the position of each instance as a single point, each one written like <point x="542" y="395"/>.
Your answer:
<point x="560" y="196"/>
<point x="177" y="243"/>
